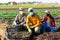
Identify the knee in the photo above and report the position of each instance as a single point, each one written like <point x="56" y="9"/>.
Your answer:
<point x="37" y="29"/>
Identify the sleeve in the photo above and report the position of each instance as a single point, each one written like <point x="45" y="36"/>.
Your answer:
<point x="14" y="22"/>
<point x="44" y="19"/>
<point x="38" y="22"/>
<point x="16" y="18"/>
<point x="53" y="23"/>
<point x="27" y="22"/>
<point x="24" y="20"/>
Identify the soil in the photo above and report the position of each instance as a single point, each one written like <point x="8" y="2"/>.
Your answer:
<point x="44" y="36"/>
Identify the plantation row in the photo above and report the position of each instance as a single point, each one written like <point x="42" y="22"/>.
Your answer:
<point x="41" y="13"/>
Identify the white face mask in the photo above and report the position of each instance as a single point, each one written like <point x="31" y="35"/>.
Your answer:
<point x="21" y="12"/>
<point x="31" y="13"/>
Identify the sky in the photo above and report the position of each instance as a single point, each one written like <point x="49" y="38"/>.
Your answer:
<point x="44" y="1"/>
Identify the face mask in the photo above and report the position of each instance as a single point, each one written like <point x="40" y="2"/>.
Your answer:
<point x="31" y="13"/>
<point x="21" y="12"/>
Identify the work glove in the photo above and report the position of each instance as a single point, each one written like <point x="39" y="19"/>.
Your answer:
<point x="18" y="22"/>
<point x="21" y="23"/>
<point x="14" y="23"/>
<point x="24" y="24"/>
<point x="30" y="30"/>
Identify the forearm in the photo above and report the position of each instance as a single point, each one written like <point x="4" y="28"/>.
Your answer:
<point x="27" y="26"/>
<point x="23" y="22"/>
<point x="35" y="25"/>
<point x="38" y="24"/>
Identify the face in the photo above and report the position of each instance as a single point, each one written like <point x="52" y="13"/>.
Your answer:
<point x="21" y="12"/>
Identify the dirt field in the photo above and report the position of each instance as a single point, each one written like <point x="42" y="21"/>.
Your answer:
<point x="25" y="35"/>
<point x="17" y="9"/>
<point x="44" y="36"/>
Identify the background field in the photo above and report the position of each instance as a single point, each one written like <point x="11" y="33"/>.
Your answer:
<point x="31" y="5"/>
<point x="24" y="6"/>
<point x="10" y="14"/>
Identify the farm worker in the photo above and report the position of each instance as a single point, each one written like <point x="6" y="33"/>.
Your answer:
<point x="48" y="22"/>
<point x="20" y="20"/>
<point x="33" y="23"/>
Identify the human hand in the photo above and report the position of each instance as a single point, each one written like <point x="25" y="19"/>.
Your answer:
<point x="31" y="26"/>
<point x="30" y="30"/>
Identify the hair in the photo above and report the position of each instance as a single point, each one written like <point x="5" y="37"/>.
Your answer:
<point x="50" y="16"/>
<point x="31" y="11"/>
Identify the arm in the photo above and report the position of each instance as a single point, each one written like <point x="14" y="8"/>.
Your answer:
<point x="53" y="23"/>
<point x="27" y="22"/>
<point x="14" y="22"/>
<point x="16" y="18"/>
<point x="44" y="19"/>
<point x="24" y="20"/>
<point x="38" y="22"/>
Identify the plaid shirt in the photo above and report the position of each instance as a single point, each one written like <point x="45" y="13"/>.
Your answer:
<point x="52" y="21"/>
<point x="21" y="18"/>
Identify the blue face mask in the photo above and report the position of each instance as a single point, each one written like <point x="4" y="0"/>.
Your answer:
<point x="31" y="13"/>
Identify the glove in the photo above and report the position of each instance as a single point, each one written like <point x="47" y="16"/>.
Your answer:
<point x="14" y="23"/>
<point x="30" y="30"/>
<point x="18" y="22"/>
<point x="21" y="24"/>
<point x="24" y="24"/>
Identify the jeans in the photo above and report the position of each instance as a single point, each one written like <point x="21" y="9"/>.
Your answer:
<point x="35" y="31"/>
<point x="53" y="29"/>
<point x="33" y="34"/>
<point x="46" y="27"/>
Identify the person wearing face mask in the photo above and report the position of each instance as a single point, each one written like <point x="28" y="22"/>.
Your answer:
<point x="33" y="23"/>
<point x="48" y="22"/>
<point x="20" y="20"/>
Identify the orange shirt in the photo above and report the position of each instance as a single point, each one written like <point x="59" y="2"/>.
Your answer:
<point x="34" y="20"/>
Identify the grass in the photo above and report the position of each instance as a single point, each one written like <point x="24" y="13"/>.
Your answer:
<point x="41" y="13"/>
<point x="2" y="14"/>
